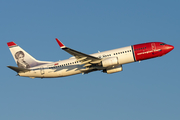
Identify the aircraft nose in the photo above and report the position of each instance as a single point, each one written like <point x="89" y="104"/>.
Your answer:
<point x="170" y="47"/>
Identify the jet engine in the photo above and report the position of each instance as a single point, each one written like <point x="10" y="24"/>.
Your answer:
<point x="110" y="62"/>
<point x="113" y="70"/>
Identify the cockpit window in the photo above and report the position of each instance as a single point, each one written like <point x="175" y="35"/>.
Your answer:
<point x="162" y="44"/>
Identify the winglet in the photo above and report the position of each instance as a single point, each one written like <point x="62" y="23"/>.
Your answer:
<point x="60" y="43"/>
<point x="11" y="44"/>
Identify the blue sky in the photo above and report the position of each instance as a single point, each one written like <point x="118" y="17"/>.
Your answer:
<point x="142" y="91"/>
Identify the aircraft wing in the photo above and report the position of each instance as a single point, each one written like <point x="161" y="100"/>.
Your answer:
<point x="86" y="59"/>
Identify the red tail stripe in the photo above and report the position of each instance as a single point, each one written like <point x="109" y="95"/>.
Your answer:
<point x="11" y="44"/>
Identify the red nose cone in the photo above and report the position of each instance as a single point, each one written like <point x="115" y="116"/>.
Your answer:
<point x="170" y="47"/>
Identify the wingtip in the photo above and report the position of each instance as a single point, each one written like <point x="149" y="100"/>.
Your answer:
<point x="60" y="43"/>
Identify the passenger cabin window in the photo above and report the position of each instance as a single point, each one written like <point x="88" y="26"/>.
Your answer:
<point x="140" y="48"/>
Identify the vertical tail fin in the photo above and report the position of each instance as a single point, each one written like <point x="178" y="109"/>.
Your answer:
<point x="22" y="58"/>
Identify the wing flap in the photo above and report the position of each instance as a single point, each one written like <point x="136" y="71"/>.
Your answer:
<point x="86" y="65"/>
<point x="85" y="62"/>
<point x="81" y="59"/>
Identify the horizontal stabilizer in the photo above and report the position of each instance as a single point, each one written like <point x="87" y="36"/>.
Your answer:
<point x="18" y="70"/>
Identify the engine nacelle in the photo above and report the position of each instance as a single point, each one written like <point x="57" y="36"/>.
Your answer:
<point x="110" y="62"/>
<point x="113" y="70"/>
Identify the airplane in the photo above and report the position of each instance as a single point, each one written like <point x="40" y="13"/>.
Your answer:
<point x="110" y="61"/>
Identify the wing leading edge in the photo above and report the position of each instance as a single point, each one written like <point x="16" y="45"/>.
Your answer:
<point x="86" y="59"/>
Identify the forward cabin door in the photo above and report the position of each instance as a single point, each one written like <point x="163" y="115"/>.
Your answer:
<point x="153" y="45"/>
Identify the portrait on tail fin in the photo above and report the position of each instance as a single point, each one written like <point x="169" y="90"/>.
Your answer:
<point x="20" y="60"/>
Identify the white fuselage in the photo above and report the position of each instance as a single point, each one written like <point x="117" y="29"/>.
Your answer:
<point x="71" y="66"/>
